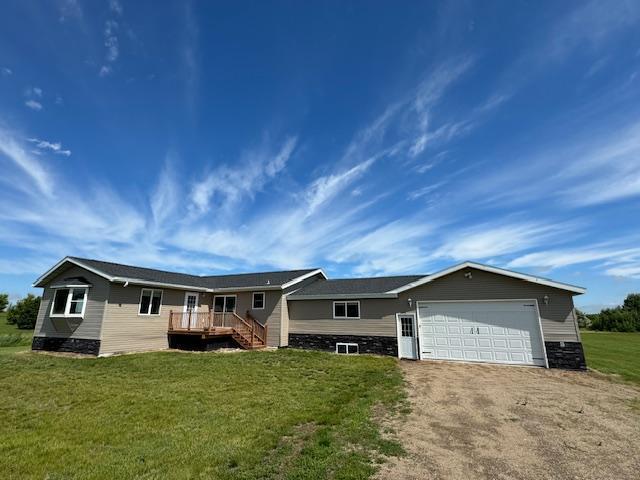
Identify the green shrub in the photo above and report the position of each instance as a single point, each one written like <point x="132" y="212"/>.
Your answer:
<point x="4" y="301"/>
<point x="25" y="312"/>
<point x="625" y="318"/>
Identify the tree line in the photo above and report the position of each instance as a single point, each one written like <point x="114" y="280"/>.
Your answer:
<point x="23" y="313"/>
<point x="623" y="318"/>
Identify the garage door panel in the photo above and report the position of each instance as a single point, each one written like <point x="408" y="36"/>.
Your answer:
<point x="469" y="342"/>
<point x="485" y="355"/>
<point x="506" y="332"/>
<point x="499" y="343"/>
<point x="502" y="356"/>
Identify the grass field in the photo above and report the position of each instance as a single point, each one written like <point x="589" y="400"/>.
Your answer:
<point x="610" y="352"/>
<point x="11" y="336"/>
<point x="284" y="414"/>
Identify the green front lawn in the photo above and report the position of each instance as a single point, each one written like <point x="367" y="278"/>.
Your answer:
<point x="611" y="352"/>
<point x="283" y="414"/>
<point x="11" y="336"/>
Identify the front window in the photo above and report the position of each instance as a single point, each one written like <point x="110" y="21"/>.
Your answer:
<point x="258" y="300"/>
<point x="346" y="309"/>
<point x="150" y="301"/>
<point x="69" y="302"/>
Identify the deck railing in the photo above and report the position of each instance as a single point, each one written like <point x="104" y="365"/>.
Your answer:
<point x="208" y="322"/>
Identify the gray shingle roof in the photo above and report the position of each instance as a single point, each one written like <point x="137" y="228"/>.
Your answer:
<point x="239" y="280"/>
<point x="356" y="286"/>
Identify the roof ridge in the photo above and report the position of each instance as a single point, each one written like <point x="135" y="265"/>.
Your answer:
<point x="190" y="274"/>
<point x="383" y="276"/>
<point x="137" y="266"/>
<point x="263" y="273"/>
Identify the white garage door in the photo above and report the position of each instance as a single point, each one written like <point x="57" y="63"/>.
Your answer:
<point x="499" y="332"/>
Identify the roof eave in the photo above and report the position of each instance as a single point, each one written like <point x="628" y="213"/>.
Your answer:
<point x="304" y="277"/>
<point x="38" y="282"/>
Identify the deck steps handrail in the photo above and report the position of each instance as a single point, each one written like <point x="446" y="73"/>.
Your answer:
<point x="248" y="332"/>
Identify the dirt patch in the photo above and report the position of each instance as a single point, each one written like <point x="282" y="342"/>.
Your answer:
<point x="501" y="422"/>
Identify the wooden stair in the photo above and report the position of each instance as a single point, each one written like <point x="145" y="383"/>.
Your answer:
<point x="246" y="332"/>
<point x="242" y="336"/>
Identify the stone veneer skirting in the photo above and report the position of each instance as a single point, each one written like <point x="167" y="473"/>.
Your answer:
<point x="70" y="345"/>
<point x="567" y="355"/>
<point x="366" y="344"/>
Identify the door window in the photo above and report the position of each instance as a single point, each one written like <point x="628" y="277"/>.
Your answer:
<point x="191" y="302"/>
<point x="406" y="326"/>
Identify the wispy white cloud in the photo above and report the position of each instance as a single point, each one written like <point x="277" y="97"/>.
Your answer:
<point x="6" y="71"/>
<point x="69" y="9"/>
<point x="116" y="7"/>
<point x="33" y="95"/>
<point x="55" y="147"/>
<point x="34" y="105"/>
<point x="426" y="190"/>
<point x="619" y="258"/>
<point x="166" y="196"/>
<point x="590" y="25"/>
<point x="228" y="185"/>
<point x="31" y="167"/>
<point x="489" y="240"/>
<point x="111" y="40"/>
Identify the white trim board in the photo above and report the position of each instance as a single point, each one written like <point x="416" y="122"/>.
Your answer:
<point x="496" y="270"/>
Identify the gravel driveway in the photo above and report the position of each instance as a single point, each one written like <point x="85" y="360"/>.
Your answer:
<point x="488" y="421"/>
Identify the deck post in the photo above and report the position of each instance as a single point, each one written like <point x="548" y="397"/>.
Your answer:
<point x="170" y="319"/>
<point x="189" y="321"/>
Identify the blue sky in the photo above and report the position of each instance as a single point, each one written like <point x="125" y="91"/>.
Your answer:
<point x="359" y="137"/>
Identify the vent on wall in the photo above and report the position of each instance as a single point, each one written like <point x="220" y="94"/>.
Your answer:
<point x="347" y="348"/>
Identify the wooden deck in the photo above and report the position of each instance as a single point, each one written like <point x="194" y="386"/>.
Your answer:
<point x="247" y="332"/>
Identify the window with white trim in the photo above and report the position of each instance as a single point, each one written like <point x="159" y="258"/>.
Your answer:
<point x="346" y="309"/>
<point x="257" y="302"/>
<point x="69" y="302"/>
<point x="150" y="301"/>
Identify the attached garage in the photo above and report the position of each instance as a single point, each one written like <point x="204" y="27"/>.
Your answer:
<point x="489" y="331"/>
<point x="469" y="312"/>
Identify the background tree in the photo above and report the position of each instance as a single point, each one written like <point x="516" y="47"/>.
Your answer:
<point x="583" y="320"/>
<point x="625" y="318"/>
<point x="25" y="312"/>
<point x="4" y="301"/>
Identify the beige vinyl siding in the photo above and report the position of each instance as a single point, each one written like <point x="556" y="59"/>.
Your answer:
<point x="274" y="324"/>
<point x="284" y="327"/>
<point x="125" y="331"/>
<point x="378" y="315"/>
<point x="316" y="316"/>
<point x="87" y="327"/>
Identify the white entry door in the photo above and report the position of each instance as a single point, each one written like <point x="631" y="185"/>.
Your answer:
<point x="494" y="331"/>
<point x="407" y="347"/>
<point x="190" y="307"/>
